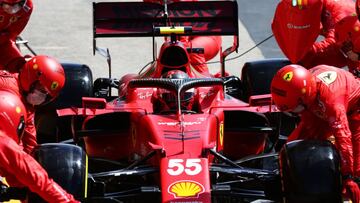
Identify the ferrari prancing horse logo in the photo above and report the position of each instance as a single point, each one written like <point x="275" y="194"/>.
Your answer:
<point x="54" y="85"/>
<point x="221" y="134"/>
<point x="327" y="77"/>
<point x="288" y="76"/>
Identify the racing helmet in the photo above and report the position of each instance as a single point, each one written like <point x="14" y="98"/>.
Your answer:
<point x="168" y="99"/>
<point x="12" y="115"/>
<point x="42" y="74"/>
<point x="12" y="6"/>
<point x="296" y="26"/>
<point x="293" y="88"/>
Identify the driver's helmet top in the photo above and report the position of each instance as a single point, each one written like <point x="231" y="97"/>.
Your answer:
<point x="175" y="74"/>
<point x="42" y="74"/>
<point x="12" y="115"/>
<point x="168" y="99"/>
<point x="293" y="88"/>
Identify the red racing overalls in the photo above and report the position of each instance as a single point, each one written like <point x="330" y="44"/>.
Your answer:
<point x="9" y="82"/>
<point x="11" y="25"/>
<point x="22" y="170"/>
<point x="336" y="111"/>
<point x="295" y="29"/>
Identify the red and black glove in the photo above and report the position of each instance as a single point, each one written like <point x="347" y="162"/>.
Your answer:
<point x="356" y="72"/>
<point x="8" y="193"/>
<point x="351" y="190"/>
<point x="346" y="46"/>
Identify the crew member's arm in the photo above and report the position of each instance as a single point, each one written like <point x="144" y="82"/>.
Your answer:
<point x="311" y="127"/>
<point x="338" y="123"/>
<point x="29" y="172"/>
<point x="29" y="140"/>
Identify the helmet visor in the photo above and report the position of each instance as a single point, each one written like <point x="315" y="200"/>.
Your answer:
<point x="38" y="94"/>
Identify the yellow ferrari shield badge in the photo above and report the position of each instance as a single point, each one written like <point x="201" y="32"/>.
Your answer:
<point x="288" y="76"/>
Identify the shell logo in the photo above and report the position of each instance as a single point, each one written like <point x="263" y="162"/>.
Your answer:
<point x="186" y="188"/>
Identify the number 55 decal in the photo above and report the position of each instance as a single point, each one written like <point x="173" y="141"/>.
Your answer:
<point x="176" y="167"/>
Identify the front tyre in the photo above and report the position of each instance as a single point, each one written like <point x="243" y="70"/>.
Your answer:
<point x="310" y="172"/>
<point x="66" y="164"/>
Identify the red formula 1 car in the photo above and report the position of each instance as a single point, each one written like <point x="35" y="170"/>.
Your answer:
<point x="227" y="146"/>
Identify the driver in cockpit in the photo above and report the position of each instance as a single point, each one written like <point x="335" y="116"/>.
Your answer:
<point x="165" y="101"/>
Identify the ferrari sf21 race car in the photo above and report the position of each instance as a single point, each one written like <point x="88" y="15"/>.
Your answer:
<point x="151" y="145"/>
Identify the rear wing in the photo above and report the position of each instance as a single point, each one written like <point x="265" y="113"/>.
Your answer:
<point x="138" y="19"/>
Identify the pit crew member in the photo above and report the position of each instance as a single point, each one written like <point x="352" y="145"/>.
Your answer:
<point x="297" y="25"/>
<point x="38" y="82"/>
<point x="347" y="36"/>
<point x="19" y="168"/>
<point x="14" y="16"/>
<point x="328" y="100"/>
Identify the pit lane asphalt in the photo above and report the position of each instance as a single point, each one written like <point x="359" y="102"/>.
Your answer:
<point x="63" y="29"/>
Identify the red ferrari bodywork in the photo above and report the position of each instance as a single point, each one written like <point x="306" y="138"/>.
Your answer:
<point x="180" y="141"/>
